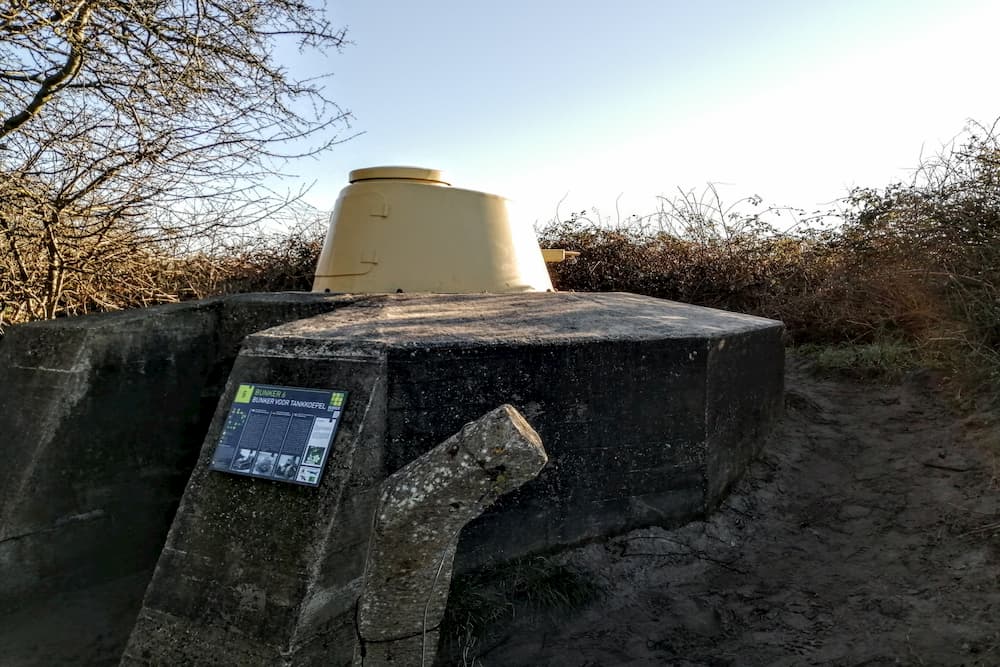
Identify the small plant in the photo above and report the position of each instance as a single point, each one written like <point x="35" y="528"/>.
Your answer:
<point x="479" y="603"/>
<point x="882" y="361"/>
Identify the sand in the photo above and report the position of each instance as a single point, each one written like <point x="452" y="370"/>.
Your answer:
<point x="868" y="533"/>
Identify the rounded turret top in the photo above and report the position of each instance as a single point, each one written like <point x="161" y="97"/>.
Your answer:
<point x="397" y="173"/>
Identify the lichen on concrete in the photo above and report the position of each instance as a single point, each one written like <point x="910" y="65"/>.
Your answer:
<point x="423" y="508"/>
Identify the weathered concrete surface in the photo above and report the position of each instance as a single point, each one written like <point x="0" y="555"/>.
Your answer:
<point x="623" y="390"/>
<point x="649" y="409"/>
<point x="256" y="572"/>
<point x="423" y="507"/>
<point x="101" y="420"/>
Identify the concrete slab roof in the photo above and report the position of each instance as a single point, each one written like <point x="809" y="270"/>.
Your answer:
<point x="430" y="320"/>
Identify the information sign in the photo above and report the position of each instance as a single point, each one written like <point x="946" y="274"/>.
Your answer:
<point x="279" y="433"/>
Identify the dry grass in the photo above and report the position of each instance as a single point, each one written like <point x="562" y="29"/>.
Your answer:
<point x="912" y="267"/>
<point x="146" y="274"/>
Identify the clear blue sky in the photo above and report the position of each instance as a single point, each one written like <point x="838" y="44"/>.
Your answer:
<point x="541" y="100"/>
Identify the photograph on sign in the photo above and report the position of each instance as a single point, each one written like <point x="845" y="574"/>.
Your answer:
<point x="279" y="433"/>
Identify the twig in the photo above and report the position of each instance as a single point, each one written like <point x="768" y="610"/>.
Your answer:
<point x="982" y="529"/>
<point x="941" y="466"/>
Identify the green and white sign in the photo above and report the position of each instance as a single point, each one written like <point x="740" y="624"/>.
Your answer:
<point x="279" y="433"/>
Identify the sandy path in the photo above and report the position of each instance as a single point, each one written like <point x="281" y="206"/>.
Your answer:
<point x="867" y="534"/>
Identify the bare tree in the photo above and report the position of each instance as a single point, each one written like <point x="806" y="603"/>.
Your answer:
<point x="124" y="123"/>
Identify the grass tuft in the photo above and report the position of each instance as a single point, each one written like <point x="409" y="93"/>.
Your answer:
<point x="882" y="361"/>
<point x="479" y="603"/>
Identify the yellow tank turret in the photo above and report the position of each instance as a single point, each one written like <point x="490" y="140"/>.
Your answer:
<point x="405" y="228"/>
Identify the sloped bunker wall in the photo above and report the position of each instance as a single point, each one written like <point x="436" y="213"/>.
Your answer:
<point x="649" y="410"/>
<point x="101" y="421"/>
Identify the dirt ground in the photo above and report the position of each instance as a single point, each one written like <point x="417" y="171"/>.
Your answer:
<point x="867" y="534"/>
<point x="87" y="628"/>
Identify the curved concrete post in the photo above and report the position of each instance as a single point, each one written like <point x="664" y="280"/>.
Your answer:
<point x="422" y="509"/>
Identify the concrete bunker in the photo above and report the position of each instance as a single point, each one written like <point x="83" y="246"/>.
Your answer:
<point x="649" y="410"/>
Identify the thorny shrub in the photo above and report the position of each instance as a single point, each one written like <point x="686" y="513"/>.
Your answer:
<point x="916" y="263"/>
